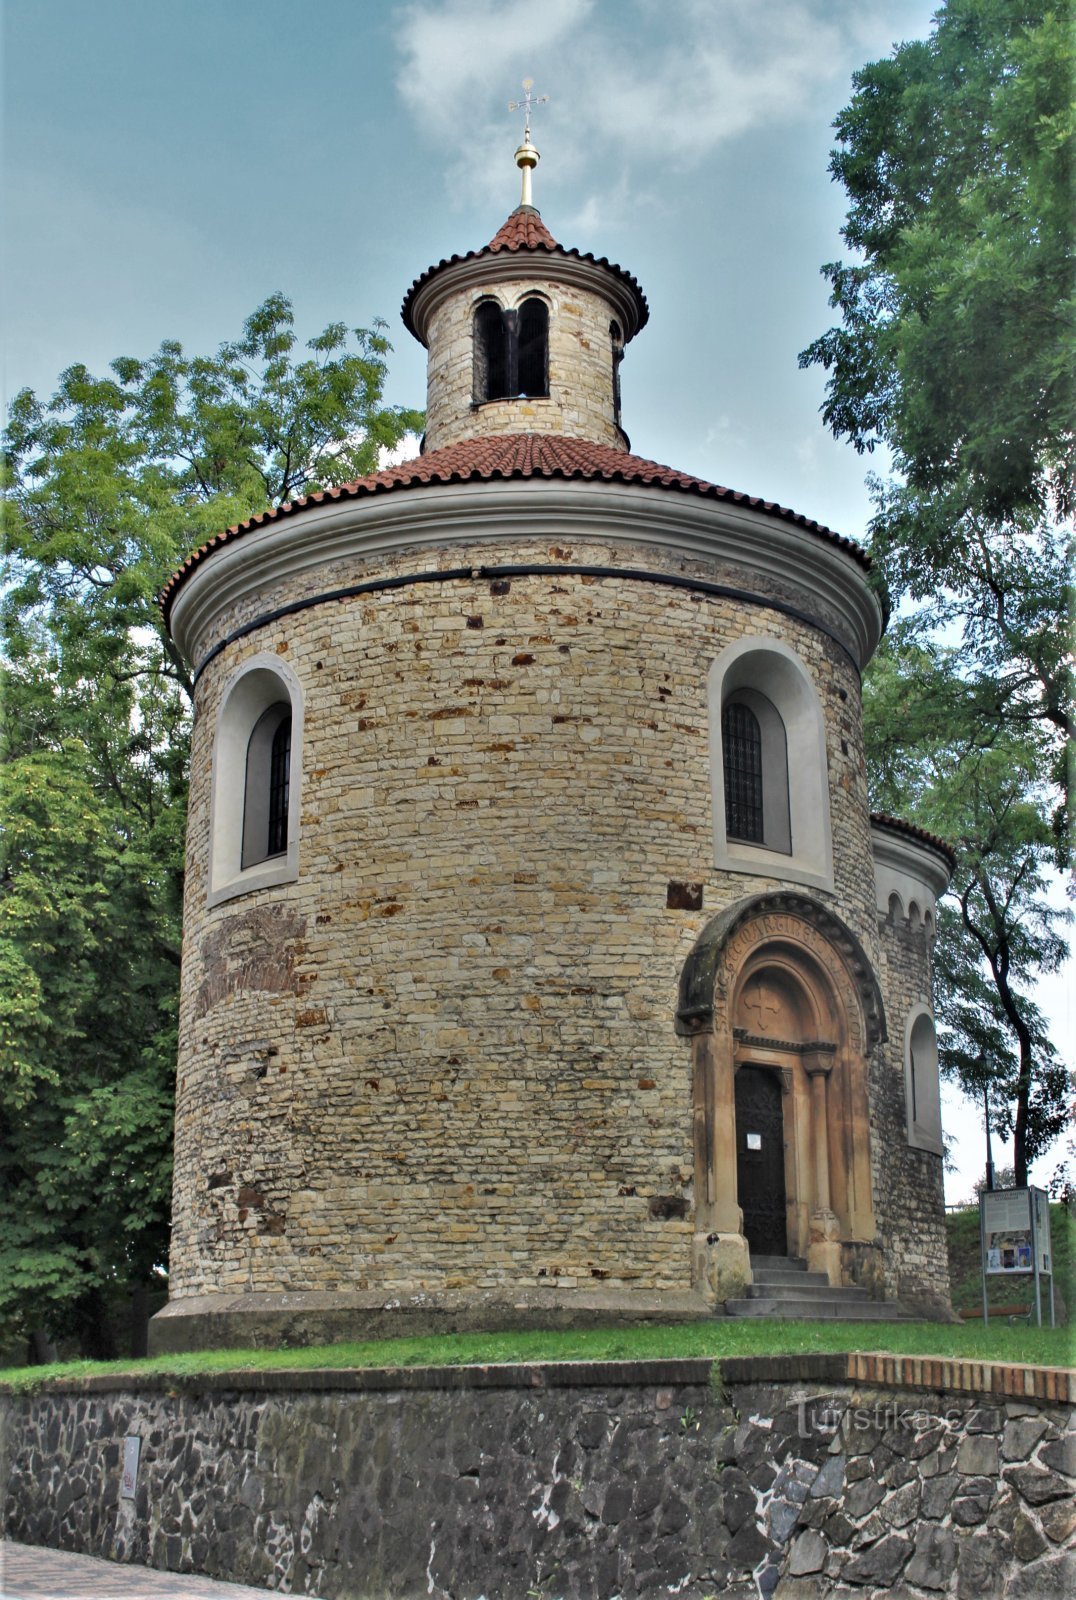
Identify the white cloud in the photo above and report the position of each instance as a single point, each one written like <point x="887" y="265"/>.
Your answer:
<point x="630" y="80"/>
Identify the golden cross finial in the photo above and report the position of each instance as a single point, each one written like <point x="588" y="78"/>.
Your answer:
<point x="527" y="157"/>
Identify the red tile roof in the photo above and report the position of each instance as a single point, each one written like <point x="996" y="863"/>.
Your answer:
<point x="881" y="819"/>
<point x="523" y="230"/>
<point x="515" y="455"/>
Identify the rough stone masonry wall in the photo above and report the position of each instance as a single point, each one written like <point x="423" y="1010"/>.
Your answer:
<point x="909" y="1201"/>
<point x="445" y="1057"/>
<point x="583" y="1483"/>
<point x="580" y="401"/>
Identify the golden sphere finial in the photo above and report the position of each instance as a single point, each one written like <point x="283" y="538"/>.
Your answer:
<point x="527" y="157"/>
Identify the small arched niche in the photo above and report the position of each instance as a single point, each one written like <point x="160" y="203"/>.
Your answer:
<point x="922" y="1087"/>
<point x="256" y="779"/>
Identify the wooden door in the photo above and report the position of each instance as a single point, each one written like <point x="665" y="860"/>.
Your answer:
<point x="760" y="1160"/>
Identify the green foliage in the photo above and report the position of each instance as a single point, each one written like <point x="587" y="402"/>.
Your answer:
<point x="108" y="485"/>
<point x="114" y="480"/>
<point x="955" y="352"/>
<point x="942" y="750"/>
<point x="956" y="347"/>
<point x="85" y="1066"/>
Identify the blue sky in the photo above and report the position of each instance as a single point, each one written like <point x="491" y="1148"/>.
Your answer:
<point x="169" y="163"/>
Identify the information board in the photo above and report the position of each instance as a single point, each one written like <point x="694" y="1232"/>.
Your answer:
<point x="1007" y="1230"/>
<point x="1014" y="1229"/>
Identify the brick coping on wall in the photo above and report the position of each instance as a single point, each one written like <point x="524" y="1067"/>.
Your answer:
<point x="874" y="1369"/>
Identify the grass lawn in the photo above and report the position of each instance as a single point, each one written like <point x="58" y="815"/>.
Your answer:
<point x="732" y="1337"/>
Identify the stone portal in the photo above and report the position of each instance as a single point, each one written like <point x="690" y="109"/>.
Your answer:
<point x="783" y="1010"/>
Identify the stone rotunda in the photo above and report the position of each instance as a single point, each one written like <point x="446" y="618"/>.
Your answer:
<point x="542" y="960"/>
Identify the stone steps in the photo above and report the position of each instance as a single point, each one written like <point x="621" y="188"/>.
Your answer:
<point x="783" y="1287"/>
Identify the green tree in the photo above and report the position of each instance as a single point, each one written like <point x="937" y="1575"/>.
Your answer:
<point x="955" y="353"/>
<point x="87" y="1031"/>
<point x="942" y="751"/>
<point x="108" y="486"/>
<point x="957" y="154"/>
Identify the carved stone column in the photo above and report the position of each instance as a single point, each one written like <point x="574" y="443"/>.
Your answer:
<point x="722" y="1264"/>
<point x="824" y="1246"/>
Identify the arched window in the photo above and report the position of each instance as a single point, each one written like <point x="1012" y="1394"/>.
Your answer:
<point x="616" y="339"/>
<point x="768" y="767"/>
<point x="490" y="353"/>
<point x="257" y="773"/>
<point x="266" y="786"/>
<point x="511" y="351"/>
<point x="532" y="377"/>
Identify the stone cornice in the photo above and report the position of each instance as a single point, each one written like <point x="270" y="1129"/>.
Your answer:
<point x="820" y="579"/>
<point x="545" y="266"/>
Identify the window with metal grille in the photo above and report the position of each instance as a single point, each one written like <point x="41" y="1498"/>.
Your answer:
<point x="741" y="742"/>
<point x="279" y="781"/>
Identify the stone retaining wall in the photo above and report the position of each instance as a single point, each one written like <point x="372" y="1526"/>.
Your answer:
<point x="794" y="1479"/>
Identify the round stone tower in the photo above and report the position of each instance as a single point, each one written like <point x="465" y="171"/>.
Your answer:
<point x="537" y="962"/>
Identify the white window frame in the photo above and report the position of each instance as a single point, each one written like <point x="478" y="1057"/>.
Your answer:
<point x="771" y="669"/>
<point x="259" y="683"/>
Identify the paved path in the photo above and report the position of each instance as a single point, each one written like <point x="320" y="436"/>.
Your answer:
<point x="28" y="1572"/>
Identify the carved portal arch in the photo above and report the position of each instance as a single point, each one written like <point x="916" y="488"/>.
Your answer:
<point x="764" y="916"/>
<point x="779" y="985"/>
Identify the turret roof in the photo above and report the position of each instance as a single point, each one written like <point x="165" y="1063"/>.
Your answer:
<point x="881" y="819"/>
<point x="523" y="230"/>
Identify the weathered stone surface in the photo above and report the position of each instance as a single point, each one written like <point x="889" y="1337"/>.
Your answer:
<point x="862" y="1497"/>
<point x="1059" y="1521"/>
<point x="937" y="1494"/>
<point x="982" y="1562"/>
<point x="881" y="1564"/>
<point x="978" y="1456"/>
<point x="973" y="1500"/>
<point x="1027" y="1541"/>
<point x="1047" y="1579"/>
<point x="747" y="1547"/>
<point x="903" y="1506"/>
<point x="1021" y="1436"/>
<point x="808" y="1554"/>
<point x="934" y="1561"/>
<point x="1037" y="1485"/>
<point x="830" y="1480"/>
<point x="1060" y="1454"/>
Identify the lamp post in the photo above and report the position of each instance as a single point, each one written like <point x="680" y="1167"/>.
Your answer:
<point x="989" y="1152"/>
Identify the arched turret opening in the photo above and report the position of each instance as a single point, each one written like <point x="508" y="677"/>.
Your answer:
<point x="533" y="349"/>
